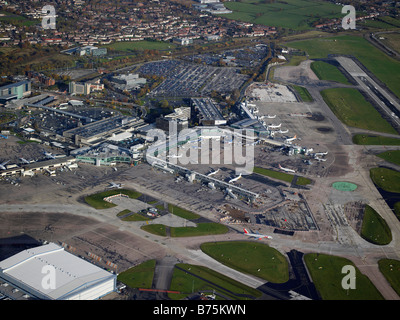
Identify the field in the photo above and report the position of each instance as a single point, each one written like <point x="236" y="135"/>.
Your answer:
<point x="191" y="278"/>
<point x="392" y="156"/>
<point x="303" y="93"/>
<point x="291" y="14"/>
<point x="374" y="228"/>
<point x="202" y="229"/>
<point x="127" y="46"/>
<point x="326" y="272"/>
<point x="382" y="66"/>
<point x="281" y="176"/>
<point x="391" y="270"/>
<point x="386" y="179"/>
<point x="16" y="19"/>
<point x="350" y="106"/>
<point x="250" y="257"/>
<point x="363" y="139"/>
<point x="326" y="71"/>
<point x="140" y="276"/>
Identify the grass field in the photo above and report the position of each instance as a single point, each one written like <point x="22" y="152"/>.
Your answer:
<point x="390" y="268"/>
<point x="392" y="156"/>
<point x="326" y="272"/>
<point x="350" y="106"/>
<point x="374" y="228"/>
<point x="382" y="66"/>
<point x="281" y="176"/>
<point x="292" y="14"/>
<point x="363" y="139"/>
<point x="140" y="45"/>
<point x="303" y="93"/>
<point x="140" y="276"/>
<point x="97" y="202"/>
<point x="199" y="278"/>
<point x="250" y="257"/>
<point x="11" y="18"/>
<point x="386" y="179"/>
<point x="202" y="229"/>
<point x="188" y="215"/>
<point x="326" y="71"/>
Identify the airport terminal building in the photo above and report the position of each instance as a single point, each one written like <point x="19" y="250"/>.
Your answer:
<point x="73" y="278"/>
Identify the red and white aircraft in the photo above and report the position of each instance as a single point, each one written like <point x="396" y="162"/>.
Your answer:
<point x="256" y="235"/>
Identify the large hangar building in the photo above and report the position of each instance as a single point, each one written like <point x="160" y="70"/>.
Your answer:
<point x="73" y="277"/>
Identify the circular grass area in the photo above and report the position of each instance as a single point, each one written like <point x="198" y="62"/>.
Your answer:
<point x="250" y="257"/>
<point x="344" y="186"/>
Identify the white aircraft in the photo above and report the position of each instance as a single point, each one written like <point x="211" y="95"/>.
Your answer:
<point x="291" y="139"/>
<point x="115" y="185"/>
<point x="175" y="156"/>
<point x="286" y="169"/>
<point x="212" y="173"/>
<point x="235" y="179"/>
<point x="320" y="159"/>
<point x="321" y="153"/>
<point x="49" y="155"/>
<point x="256" y="235"/>
<point x="274" y="126"/>
<point x="283" y="131"/>
<point x="24" y="160"/>
<point x="2" y="165"/>
<point x="271" y="117"/>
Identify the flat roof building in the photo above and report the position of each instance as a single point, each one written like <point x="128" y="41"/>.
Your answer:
<point x="69" y="278"/>
<point x="209" y="112"/>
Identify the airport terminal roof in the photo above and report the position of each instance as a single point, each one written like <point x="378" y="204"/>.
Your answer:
<point x="72" y="273"/>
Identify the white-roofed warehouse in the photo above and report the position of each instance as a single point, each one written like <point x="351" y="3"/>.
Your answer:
<point x="73" y="277"/>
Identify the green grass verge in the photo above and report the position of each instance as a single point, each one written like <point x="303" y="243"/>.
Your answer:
<point x="281" y="176"/>
<point x="202" y="229"/>
<point x="327" y="71"/>
<point x="140" y="276"/>
<point x="97" y="202"/>
<point x="390" y="268"/>
<point x="157" y="229"/>
<point x="140" y="45"/>
<point x="374" y="228"/>
<point x="397" y="209"/>
<point x="326" y="273"/>
<point x="382" y="66"/>
<point x="250" y="257"/>
<point x="392" y="156"/>
<point x="303" y="93"/>
<point x="204" y="279"/>
<point x="363" y="139"/>
<point x="386" y="179"/>
<point x="350" y="106"/>
<point x="188" y="215"/>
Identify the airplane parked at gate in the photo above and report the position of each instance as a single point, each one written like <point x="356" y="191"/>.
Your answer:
<point x="2" y="165"/>
<point x="235" y="179"/>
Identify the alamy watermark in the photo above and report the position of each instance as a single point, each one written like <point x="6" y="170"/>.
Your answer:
<point x="349" y="280"/>
<point x="49" y="20"/>
<point x="349" y="21"/>
<point x="49" y="280"/>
